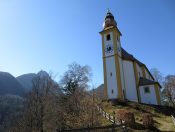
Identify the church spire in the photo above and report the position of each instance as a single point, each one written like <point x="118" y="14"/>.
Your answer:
<point x="109" y="20"/>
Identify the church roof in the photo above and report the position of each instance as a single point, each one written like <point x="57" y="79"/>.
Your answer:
<point x="144" y="81"/>
<point x="127" y="56"/>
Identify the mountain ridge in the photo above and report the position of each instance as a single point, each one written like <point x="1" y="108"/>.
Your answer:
<point x="21" y="84"/>
<point x="26" y="80"/>
<point x="10" y="85"/>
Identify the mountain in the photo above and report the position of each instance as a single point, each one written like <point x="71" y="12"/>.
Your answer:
<point x="43" y="74"/>
<point x="99" y="91"/>
<point x="26" y="80"/>
<point x="10" y="85"/>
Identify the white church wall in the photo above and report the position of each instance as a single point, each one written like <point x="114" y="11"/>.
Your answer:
<point x="111" y="80"/>
<point x="148" y="98"/>
<point x="148" y="75"/>
<point x="139" y="71"/>
<point x="122" y="73"/>
<point x="130" y="86"/>
<point x="118" y="45"/>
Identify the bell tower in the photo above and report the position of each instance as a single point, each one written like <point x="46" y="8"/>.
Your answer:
<point x="112" y="63"/>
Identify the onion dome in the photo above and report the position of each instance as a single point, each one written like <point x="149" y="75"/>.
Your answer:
<point x="109" y="20"/>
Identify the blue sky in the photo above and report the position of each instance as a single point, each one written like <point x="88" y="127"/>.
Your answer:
<point x="51" y="34"/>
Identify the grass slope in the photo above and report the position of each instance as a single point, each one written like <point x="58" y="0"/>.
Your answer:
<point x="161" y="115"/>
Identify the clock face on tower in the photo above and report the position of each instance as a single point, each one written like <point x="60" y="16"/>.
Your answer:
<point x="109" y="49"/>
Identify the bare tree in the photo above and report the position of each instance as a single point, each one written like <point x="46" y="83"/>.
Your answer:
<point x="77" y="104"/>
<point x="157" y="75"/>
<point x="38" y="104"/>
<point x="45" y="110"/>
<point x="169" y="91"/>
<point x="76" y="77"/>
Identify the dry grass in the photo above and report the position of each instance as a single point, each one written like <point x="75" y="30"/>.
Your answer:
<point x="162" y="121"/>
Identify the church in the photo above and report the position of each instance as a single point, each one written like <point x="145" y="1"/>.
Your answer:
<point x="125" y="77"/>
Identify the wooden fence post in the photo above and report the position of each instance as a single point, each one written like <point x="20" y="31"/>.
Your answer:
<point x="114" y="119"/>
<point x="114" y="116"/>
<point x="88" y="129"/>
<point x="113" y="127"/>
<point x="58" y="130"/>
<point x="173" y="119"/>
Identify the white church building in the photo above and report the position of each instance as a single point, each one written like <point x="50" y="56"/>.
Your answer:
<point x="125" y="77"/>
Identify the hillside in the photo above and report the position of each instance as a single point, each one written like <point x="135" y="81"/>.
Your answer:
<point x="26" y="80"/>
<point x="10" y="85"/>
<point x="11" y="108"/>
<point x="161" y="114"/>
<point x="99" y="91"/>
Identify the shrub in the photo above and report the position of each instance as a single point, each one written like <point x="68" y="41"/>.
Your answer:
<point x="147" y="120"/>
<point x="127" y="117"/>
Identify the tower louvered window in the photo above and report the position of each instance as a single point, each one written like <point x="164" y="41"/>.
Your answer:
<point x="108" y="37"/>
